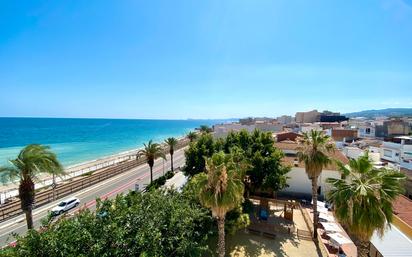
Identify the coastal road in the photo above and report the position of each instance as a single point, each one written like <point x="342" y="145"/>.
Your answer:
<point x="109" y="188"/>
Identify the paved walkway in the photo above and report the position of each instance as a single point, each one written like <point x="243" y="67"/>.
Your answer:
<point x="243" y="244"/>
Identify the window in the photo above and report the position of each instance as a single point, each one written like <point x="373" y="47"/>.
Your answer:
<point x="368" y="130"/>
<point x="387" y="153"/>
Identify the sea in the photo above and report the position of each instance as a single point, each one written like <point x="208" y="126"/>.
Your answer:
<point x="80" y="140"/>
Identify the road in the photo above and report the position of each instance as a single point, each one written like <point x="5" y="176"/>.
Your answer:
<point x="109" y="188"/>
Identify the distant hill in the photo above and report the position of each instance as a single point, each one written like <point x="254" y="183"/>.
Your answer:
<point x="389" y="112"/>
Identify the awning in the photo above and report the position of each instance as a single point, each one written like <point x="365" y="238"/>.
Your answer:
<point x="326" y="217"/>
<point x="177" y="181"/>
<point x="320" y="203"/>
<point x="331" y="227"/>
<point x="323" y="210"/>
<point x="338" y="239"/>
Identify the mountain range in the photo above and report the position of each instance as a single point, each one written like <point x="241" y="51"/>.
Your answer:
<point x="389" y="112"/>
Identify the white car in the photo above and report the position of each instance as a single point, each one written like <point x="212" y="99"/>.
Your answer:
<point x="65" y="205"/>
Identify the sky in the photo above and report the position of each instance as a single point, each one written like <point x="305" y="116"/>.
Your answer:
<point x="203" y="59"/>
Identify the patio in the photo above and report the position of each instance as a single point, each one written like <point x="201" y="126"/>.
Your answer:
<point x="272" y="235"/>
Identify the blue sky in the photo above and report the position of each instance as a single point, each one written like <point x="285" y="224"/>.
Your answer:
<point x="203" y="59"/>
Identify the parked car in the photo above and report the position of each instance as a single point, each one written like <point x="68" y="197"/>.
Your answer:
<point x="65" y="205"/>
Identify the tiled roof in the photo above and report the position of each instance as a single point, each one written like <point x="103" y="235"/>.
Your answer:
<point x="286" y="145"/>
<point x="402" y="207"/>
<point x="292" y="146"/>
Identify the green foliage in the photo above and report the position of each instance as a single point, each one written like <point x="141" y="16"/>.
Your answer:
<point x="150" y="224"/>
<point x="363" y="200"/>
<point x="31" y="161"/>
<point x="151" y="151"/>
<point x="204" y="147"/>
<point x="262" y="160"/>
<point x="221" y="187"/>
<point x="236" y="219"/>
<point x="205" y="129"/>
<point x="192" y="136"/>
<point x="172" y="143"/>
<point x="314" y="150"/>
<point x="160" y="181"/>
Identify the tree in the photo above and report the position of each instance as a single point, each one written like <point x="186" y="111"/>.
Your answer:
<point x="264" y="170"/>
<point x="314" y="149"/>
<point x="151" y="151"/>
<point x="172" y="143"/>
<point x="31" y="161"/>
<point x="205" y="129"/>
<point x="157" y="223"/>
<point x="191" y="136"/>
<point x="195" y="155"/>
<point x="364" y="195"/>
<point x="221" y="190"/>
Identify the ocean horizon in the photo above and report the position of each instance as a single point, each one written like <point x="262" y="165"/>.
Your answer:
<point x="78" y="140"/>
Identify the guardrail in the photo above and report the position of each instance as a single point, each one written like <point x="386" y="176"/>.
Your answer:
<point x="13" y="208"/>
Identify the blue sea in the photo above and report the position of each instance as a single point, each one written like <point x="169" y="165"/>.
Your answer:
<point x="79" y="140"/>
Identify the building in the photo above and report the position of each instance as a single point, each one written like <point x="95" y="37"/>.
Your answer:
<point x="307" y="117"/>
<point x="251" y="121"/>
<point x="222" y="130"/>
<point x="268" y="127"/>
<point x="304" y="128"/>
<point x="298" y="181"/>
<point x="285" y="119"/>
<point x="392" y="128"/>
<point x="366" y="130"/>
<point x="286" y="135"/>
<point x="398" y="151"/>
<point x="332" y="118"/>
<point x="346" y="135"/>
<point x="397" y="240"/>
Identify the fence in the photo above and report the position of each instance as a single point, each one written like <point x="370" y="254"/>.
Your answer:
<point x="13" y="208"/>
<point x="319" y="244"/>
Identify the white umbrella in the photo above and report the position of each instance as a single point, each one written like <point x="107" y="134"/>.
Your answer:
<point x="320" y="203"/>
<point x="323" y="210"/>
<point x="326" y="217"/>
<point x="331" y="227"/>
<point x="338" y="239"/>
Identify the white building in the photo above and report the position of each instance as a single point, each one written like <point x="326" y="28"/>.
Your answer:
<point x="398" y="153"/>
<point x="366" y="130"/>
<point x="223" y="129"/>
<point x="285" y="119"/>
<point x="308" y="127"/>
<point x="298" y="181"/>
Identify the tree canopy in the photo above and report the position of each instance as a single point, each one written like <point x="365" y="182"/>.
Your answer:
<point x="138" y="224"/>
<point x="264" y="169"/>
<point x="31" y="161"/>
<point x="363" y="197"/>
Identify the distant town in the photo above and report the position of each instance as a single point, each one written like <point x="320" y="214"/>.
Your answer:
<point x="388" y="140"/>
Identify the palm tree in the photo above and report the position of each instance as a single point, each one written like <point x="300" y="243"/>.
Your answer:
<point x="172" y="143"/>
<point x="314" y="149"/>
<point x="221" y="190"/>
<point x="192" y="136"/>
<point x="205" y="129"/>
<point x="363" y="197"/>
<point x="31" y="161"/>
<point x="151" y="151"/>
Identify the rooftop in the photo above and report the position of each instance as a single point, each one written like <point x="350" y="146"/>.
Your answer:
<point x="288" y="145"/>
<point x="402" y="207"/>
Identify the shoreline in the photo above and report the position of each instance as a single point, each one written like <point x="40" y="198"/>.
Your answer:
<point x="10" y="190"/>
